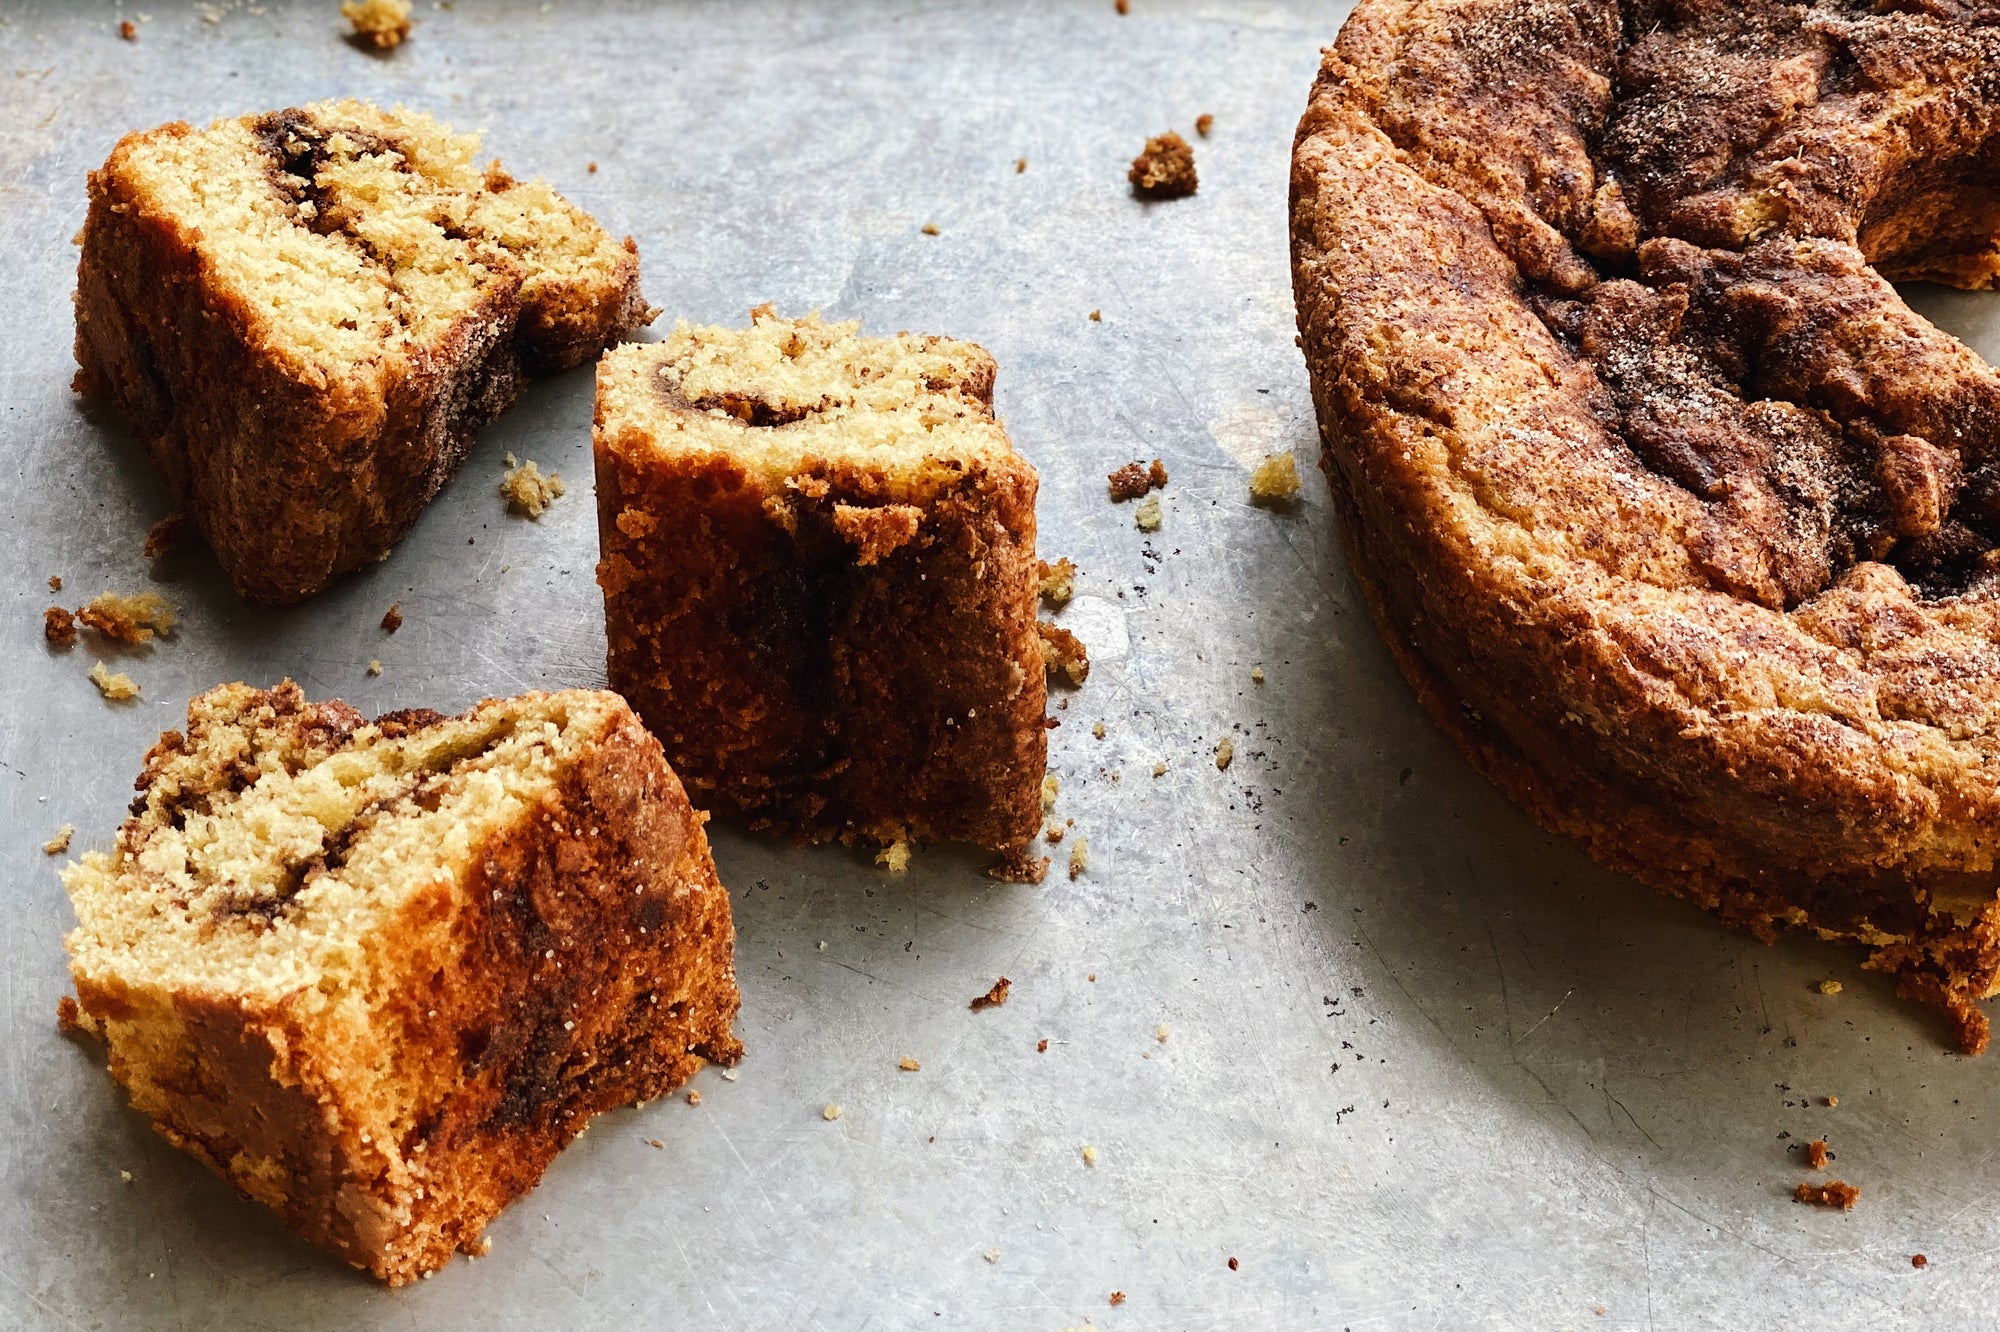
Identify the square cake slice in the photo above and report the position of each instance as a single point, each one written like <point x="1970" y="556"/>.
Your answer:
<point x="376" y="974"/>
<point x="305" y="315"/>
<point x="819" y="578"/>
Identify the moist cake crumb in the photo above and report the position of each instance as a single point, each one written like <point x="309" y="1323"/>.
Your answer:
<point x="1063" y="653"/>
<point x="1225" y="754"/>
<point x="165" y="536"/>
<point x="831" y="1112"/>
<point x="129" y="619"/>
<point x="1020" y="867"/>
<point x="1816" y="1155"/>
<point x="527" y="491"/>
<point x="58" y="844"/>
<point x="1079" y="857"/>
<point x="895" y="857"/>
<point x="1148" y="515"/>
<point x="114" y="685"/>
<point x="383" y="24"/>
<point x="1165" y="170"/>
<point x="1058" y="580"/>
<point x="909" y="1065"/>
<point x="392" y="619"/>
<point x="1275" y="481"/>
<point x="1203" y="123"/>
<point x="59" y="626"/>
<point x="1833" y="1193"/>
<point x="994" y="996"/>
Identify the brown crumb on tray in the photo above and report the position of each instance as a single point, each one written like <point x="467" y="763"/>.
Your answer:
<point x="694" y="1098"/>
<point x="1079" y="857"/>
<point x="1148" y="515"/>
<point x="1097" y="316"/>
<point x="1122" y="6"/>
<point x="165" y="536"/>
<point x="1042" y="1046"/>
<point x="1275" y="481"/>
<point x="1833" y="1193"/>
<point x="131" y="620"/>
<point x="591" y="168"/>
<point x="1020" y="166"/>
<point x="1058" y="581"/>
<point x="1203" y="123"/>
<point x="59" y="627"/>
<point x="1816" y="1156"/>
<point x="69" y="1016"/>
<point x="527" y="491"/>
<point x="909" y="1065"/>
<point x="1117" y="1297"/>
<point x="128" y="30"/>
<point x="58" y="844"/>
<point x="895" y="857"/>
<point x="1063" y="653"/>
<point x="383" y="24"/>
<point x="930" y="228"/>
<point x="1020" y="868"/>
<point x="1165" y="170"/>
<point x="1918" y="1260"/>
<point x="1054" y="832"/>
<point x="1830" y="1101"/>
<point x="55" y="582"/>
<point x="1134" y="479"/>
<point x="114" y="685"/>
<point x="392" y="619"/>
<point x="1233" y="1264"/>
<point x="995" y="996"/>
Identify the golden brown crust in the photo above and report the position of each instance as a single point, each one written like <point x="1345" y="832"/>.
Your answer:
<point x="584" y="963"/>
<point x="1688" y="553"/>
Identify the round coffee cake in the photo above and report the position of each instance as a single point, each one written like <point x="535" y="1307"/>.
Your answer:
<point x="1682" y="524"/>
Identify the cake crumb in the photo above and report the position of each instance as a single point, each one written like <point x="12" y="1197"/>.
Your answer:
<point x="128" y="30"/>
<point x="392" y="619"/>
<point x="1160" y="1033"/>
<point x="656" y="1144"/>
<point x="992" y="1255"/>
<point x="591" y="167"/>
<point x="694" y="1098"/>
<point x="1020" y="166"/>
<point x="1122" y="6"/>
<point x="995" y="996"/>
<point x="1054" y="832"/>
<point x="930" y="229"/>
<point x="1816" y="1157"/>
<point x="1918" y="1260"/>
<point x="831" y="1112"/>
<point x="1275" y="481"/>
<point x="1225" y="754"/>
<point x="909" y="1065"/>
<point x="1203" y="123"/>
<point x="1256" y="675"/>
<point x="131" y="620"/>
<point x="114" y="685"/>
<point x="165" y="536"/>
<point x="1042" y="1046"/>
<point x="482" y="1247"/>
<point x="1147" y="515"/>
<point x="383" y="24"/>
<point x="1134" y="479"/>
<point x="1090" y="1156"/>
<point x="1019" y="867"/>
<point x="895" y="857"/>
<point x="1058" y="581"/>
<point x="1165" y="170"/>
<point x="1160" y="768"/>
<point x="1829" y="987"/>
<point x="1050" y="788"/>
<point x="1232" y="1263"/>
<point x="374" y="667"/>
<point x="1833" y="1193"/>
<point x="1117" y="1297"/>
<point x="527" y="491"/>
<point x="1079" y="857"/>
<point x="124" y="1177"/>
<point x="59" y="627"/>
<point x="55" y="582"/>
<point x="1830" y="1101"/>
<point x="730" y="1074"/>
<point x="1097" y="729"/>
<point x="1063" y="653"/>
<point x="1097" y="316"/>
<point x="58" y="844"/>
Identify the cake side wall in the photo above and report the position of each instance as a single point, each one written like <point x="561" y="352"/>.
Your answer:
<point x="841" y="658"/>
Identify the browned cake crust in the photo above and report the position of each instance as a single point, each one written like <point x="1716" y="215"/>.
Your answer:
<point x="299" y="463"/>
<point x="845" y="649"/>
<point x="575" y="959"/>
<point x="1680" y="522"/>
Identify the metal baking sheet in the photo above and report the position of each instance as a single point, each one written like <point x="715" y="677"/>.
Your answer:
<point x="1423" y="1065"/>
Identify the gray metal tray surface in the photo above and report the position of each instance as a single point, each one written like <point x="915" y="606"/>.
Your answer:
<point x="1356" y="1044"/>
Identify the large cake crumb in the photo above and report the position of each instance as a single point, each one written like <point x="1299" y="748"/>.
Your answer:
<point x="1275" y="480"/>
<point x="1833" y="1193"/>
<point x="527" y="491"/>
<point x="895" y="857"/>
<point x="114" y="685"/>
<point x="59" y="626"/>
<point x="1816" y="1154"/>
<point x="1134" y="479"/>
<point x="1058" y="581"/>
<point x="1165" y="170"/>
<point x="994" y="996"/>
<point x="165" y="536"/>
<point x="1148" y="515"/>
<point x="132" y="619"/>
<point x="58" y="844"/>
<point x="383" y="24"/>
<point x="1063" y="653"/>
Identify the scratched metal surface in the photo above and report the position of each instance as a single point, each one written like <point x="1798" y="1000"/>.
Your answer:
<point x="1425" y="1066"/>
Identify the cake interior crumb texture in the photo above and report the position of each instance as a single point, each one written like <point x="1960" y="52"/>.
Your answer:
<point x="305" y="314"/>
<point x="377" y="974"/>
<point x="820" y="578"/>
<point x="383" y="24"/>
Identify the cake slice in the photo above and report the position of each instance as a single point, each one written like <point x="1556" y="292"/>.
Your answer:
<point x="305" y="315"/>
<point x="820" y="580"/>
<point x="376" y="974"/>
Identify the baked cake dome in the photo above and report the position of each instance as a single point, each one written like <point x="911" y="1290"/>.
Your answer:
<point x="1681" y="523"/>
